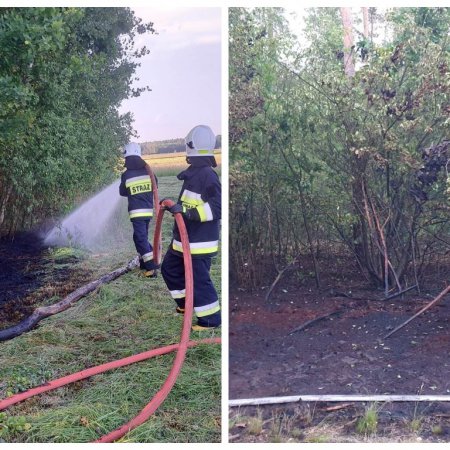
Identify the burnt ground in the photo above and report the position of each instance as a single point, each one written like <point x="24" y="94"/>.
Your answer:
<point x="342" y="422"/>
<point x="18" y="270"/>
<point x="30" y="275"/>
<point x="346" y="353"/>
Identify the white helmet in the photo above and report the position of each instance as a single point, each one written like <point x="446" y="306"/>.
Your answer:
<point x="200" y="141"/>
<point x="132" y="149"/>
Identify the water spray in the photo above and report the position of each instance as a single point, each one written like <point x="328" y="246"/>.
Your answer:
<point x="82" y="226"/>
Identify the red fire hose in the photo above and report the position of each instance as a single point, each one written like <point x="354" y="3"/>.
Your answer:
<point x="180" y="348"/>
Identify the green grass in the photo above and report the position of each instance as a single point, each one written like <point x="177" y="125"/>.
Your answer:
<point x="255" y="424"/>
<point x="130" y="315"/>
<point x="368" y="424"/>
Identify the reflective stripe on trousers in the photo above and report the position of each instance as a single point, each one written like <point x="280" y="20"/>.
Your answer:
<point x="178" y="293"/>
<point x="134" y="213"/>
<point x="206" y="310"/>
<point x="206" y="302"/>
<point x="147" y="256"/>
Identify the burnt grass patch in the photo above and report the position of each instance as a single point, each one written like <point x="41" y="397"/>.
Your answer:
<point x="32" y="275"/>
<point x="345" y="353"/>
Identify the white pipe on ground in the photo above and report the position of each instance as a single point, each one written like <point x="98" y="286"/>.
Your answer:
<point x="338" y="398"/>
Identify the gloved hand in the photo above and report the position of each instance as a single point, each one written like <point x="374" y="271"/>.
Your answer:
<point x="161" y="203"/>
<point x="162" y="200"/>
<point x="176" y="208"/>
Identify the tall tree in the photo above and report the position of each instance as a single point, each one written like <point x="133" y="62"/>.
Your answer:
<point x="326" y="157"/>
<point x="349" y="64"/>
<point x="63" y="75"/>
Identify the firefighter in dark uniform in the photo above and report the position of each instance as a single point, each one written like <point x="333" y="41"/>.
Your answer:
<point x="200" y="204"/>
<point x="136" y="184"/>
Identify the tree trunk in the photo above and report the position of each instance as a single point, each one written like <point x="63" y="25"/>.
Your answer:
<point x="365" y="12"/>
<point x="5" y="200"/>
<point x="349" y="64"/>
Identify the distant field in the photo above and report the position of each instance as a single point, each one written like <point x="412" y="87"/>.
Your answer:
<point x="179" y="157"/>
<point x="171" y="163"/>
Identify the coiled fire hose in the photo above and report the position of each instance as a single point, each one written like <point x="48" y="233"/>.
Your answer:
<point x="180" y="348"/>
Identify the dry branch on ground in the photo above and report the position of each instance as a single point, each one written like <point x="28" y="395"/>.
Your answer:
<point x="41" y="313"/>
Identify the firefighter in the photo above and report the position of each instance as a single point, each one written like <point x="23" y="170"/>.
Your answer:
<point x="200" y="204"/>
<point x="136" y="184"/>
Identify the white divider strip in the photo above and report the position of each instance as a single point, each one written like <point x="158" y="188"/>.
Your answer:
<point x="338" y="398"/>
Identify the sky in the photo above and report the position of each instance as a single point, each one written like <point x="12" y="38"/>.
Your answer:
<point x="296" y="18"/>
<point x="183" y="71"/>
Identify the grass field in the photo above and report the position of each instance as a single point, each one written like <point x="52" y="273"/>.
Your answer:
<point x="127" y="316"/>
<point x="172" y="163"/>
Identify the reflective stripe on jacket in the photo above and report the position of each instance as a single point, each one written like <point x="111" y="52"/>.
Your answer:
<point x="136" y="184"/>
<point x="201" y="197"/>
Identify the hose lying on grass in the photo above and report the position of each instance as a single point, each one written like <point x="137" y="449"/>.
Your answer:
<point x="180" y="348"/>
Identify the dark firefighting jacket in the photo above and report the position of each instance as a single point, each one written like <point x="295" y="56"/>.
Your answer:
<point x="201" y="199"/>
<point x="136" y="184"/>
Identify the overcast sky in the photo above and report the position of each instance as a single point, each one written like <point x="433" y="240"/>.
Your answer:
<point x="183" y="70"/>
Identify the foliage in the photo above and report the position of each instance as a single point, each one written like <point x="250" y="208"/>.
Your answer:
<point x="324" y="158"/>
<point x="24" y="378"/>
<point x="63" y="75"/>
<point x="12" y="426"/>
<point x="245" y="99"/>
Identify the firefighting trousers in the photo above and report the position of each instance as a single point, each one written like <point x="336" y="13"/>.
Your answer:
<point x="206" y="302"/>
<point x="143" y="246"/>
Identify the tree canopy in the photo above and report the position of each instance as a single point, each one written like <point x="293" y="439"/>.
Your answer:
<point x="63" y="74"/>
<point x="322" y="158"/>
